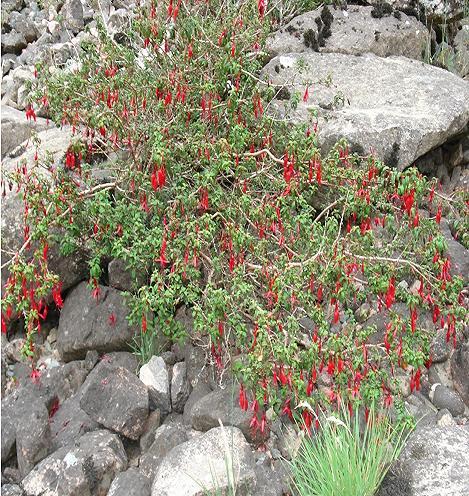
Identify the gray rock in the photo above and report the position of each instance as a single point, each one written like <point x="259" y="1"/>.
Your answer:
<point x="154" y="375"/>
<point x="409" y="109"/>
<point x="33" y="437"/>
<point x="122" y="359"/>
<point x="440" y="349"/>
<point x="13" y="349"/>
<point x="200" y="390"/>
<point x="120" y="277"/>
<point x="130" y="483"/>
<point x="85" y="468"/>
<point x="353" y="31"/>
<point x="221" y="406"/>
<point x="8" y="62"/>
<point x="85" y="323"/>
<point x="180" y="387"/>
<point x="9" y="6"/>
<point x="16" y="128"/>
<point x="272" y="479"/>
<point x="434" y="462"/>
<point x="459" y="256"/>
<point x="115" y="398"/>
<point x="461" y="46"/>
<point x="11" y="490"/>
<point x="167" y="437"/>
<point x="72" y="12"/>
<point x="460" y="370"/>
<point x="200" y="465"/>
<point x="118" y="20"/>
<point x="55" y="384"/>
<point x="196" y="362"/>
<point x="70" y="422"/>
<point x="151" y="426"/>
<point x="21" y="24"/>
<point x="13" y="42"/>
<point x="443" y="397"/>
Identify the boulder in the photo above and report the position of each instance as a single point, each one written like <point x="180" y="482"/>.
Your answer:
<point x="122" y="359"/>
<point x="130" y="483"/>
<point x="397" y="107"/>
<point x="180" y="387"/>
<point x="116" y="398"/>
<point x="87" y="323"/>
<point x="16" y="128"/>
<point x="444" y="398"/>
<point x="353" y="31"/>
<point x="460" y="370"/>
<point x="221" y="406"/>
<point x="200" y="390"/>
<point x="459" y="256"/>
<point x="53" y="386"/>
<point x="85" y="468"/>
<point x="440" y="349"/>
<point x="166" y="438"/>
<point x="24" y="25"/>
<point x="13" y="42"/>
<point x="154" y="374"/>
<point x="272" y="479"/>
<point x="120" y="277"/>
<point x="72" y="14"/>
<point x="461" y="46"/>
<point x="151" y="427"/>
<point x="70" y="422"/>
<point x="433" y="462"/>
<point x="11" y="490"/>
<point x="33" y="437"/>
<point x="206" y="463"/>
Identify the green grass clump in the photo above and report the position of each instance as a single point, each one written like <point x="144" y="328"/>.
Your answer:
<point x="346" y="457"/>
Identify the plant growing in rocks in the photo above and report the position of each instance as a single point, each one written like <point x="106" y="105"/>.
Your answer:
<point x="234" y="214"/>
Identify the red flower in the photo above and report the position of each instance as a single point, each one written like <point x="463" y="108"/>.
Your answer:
<point x="391" y="293"/>
<point x="243" y="401"/>
<point x="56" y="290"/>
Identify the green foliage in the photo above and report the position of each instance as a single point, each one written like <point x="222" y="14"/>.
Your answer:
<point x="347" y="456"/>
<point x="234" y="214"/>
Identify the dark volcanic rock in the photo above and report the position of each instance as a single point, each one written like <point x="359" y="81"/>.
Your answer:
<point x="86" y="324"/>
<point x="117" y="399"/>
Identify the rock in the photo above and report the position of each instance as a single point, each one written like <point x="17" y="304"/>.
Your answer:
<point x="221" y="406"/>
<point x="21" y="24"/>
<point x="118" y="21"/>
<point x="53" y="385"/>
<point x="8" y="62"/>
<point x="11" y="84"/>
<point x="167" y="437"/>
<point x="151" y="426"/>
<point x="445" y="419"/>
<point x="289" y="438"/>
<point x="13" y="350"/>
<point x="13" y="42"/>
<point x="460" y="370"/>
<point x="130" y="483"/>
<point x="459" y="256"/>
<point x="154" y="374"/>
<point x="196" y="362"/>
<point x="461" y="46"/>
<point x="272" y="479"/>
<point x="443" y="397"/>
<point x="200" y="390"/>
<point x="115" y="398"/>
<point x="180" y="387"/>
<point x="200" y="465"/>
<point x="11" y="490"/>
<point x="33" y="437"/>
<point x="353" y="31"/>
<point x="9" y="6"/>
<point x="122" y="359"/>
<point x="409" y="109"/>
<point x="433" y="462"/>
<point x="440" y="349"/>
<point x="70" y="422"/>
<point x="85" y="468"/>
<point x="85" y="324"/>
<point x="72" y="13"/>
<point x="122" y="278"/>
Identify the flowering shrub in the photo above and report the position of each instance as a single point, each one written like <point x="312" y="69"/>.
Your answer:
<point x="234" y="214"/>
